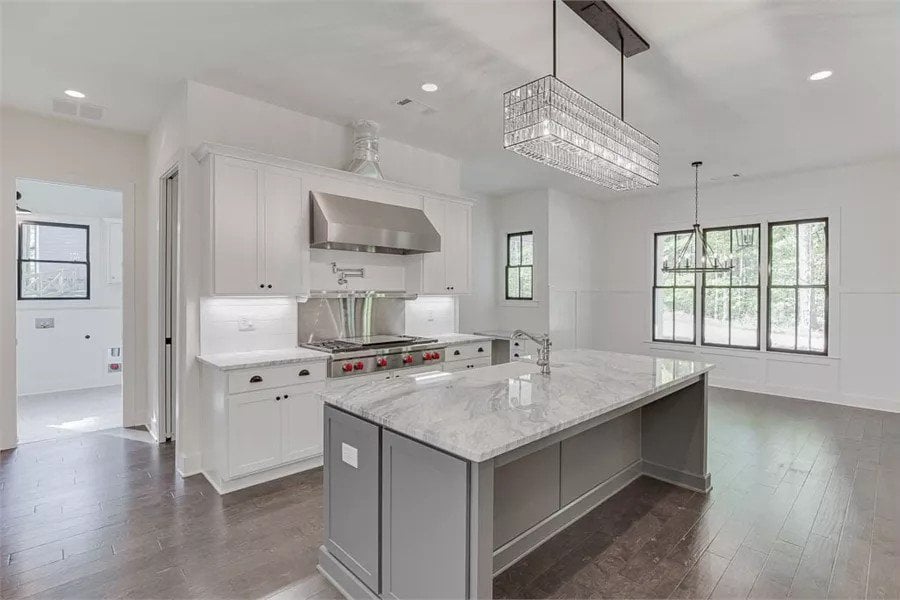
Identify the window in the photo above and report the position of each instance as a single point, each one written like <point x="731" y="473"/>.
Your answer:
<point x="673" y="293"/>
<point x="731" y="299"/>
<point x="798" y="286"/>
<point x="54" y="261"/>
<point x="520" y="266"/>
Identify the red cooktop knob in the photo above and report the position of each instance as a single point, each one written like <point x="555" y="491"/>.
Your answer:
<point x="407" y="359"/>
<point x="358" y="366"/>
<point x="435" y="355"/>
<point x="427" y="356"/>
<point x="347" y="367"/>
<point x="381" y="362"/>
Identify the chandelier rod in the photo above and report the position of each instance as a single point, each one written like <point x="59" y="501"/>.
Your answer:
<point x="696" y="166"/>
<point x="554" y="38"/>
<point x="621" y="73"/>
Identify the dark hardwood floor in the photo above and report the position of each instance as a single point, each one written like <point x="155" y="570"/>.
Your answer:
<point x="806" y="504"/>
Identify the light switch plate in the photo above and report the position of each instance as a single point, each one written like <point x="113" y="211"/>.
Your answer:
<point x="45" y="323"/>
<point x="350" y="455"/>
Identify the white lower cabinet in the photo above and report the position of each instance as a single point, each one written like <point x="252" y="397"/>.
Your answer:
<point x="252" y="418"/>
<point x="468" y="356"/>
<point x="253" y="436"/>
<point x="301" y="426"/>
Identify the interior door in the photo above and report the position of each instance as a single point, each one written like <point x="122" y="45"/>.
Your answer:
<point x="457" y="225"/>
<point x="237" y="227"/>
<point x="283" y="238"/>
<point x="165" y="417"/>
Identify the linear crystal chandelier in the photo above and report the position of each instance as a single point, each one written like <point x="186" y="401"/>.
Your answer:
<point x="548" y="121"/>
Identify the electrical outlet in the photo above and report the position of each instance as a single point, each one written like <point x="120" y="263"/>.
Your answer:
<point x="246" y="325"/>
<point x="430" y="316"/>
<point x="46" y="323"/>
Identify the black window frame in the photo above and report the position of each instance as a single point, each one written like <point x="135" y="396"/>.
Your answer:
<point x="758" y="287"/>
<point x="21" y="261"/>
<point x="692" y="287"/>
<point x="509" y="236"/>
<point x="797" y="287"/>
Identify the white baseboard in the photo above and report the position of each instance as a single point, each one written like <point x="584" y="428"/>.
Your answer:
<point x="854" y="400"/>
<point x="188" y="464"/>
<point x="226" y="487"/>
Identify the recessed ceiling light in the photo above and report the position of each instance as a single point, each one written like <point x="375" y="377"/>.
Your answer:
<point x="819" y="75"/>
<point x="429" y="87"/>
<point x="74" y="94"/>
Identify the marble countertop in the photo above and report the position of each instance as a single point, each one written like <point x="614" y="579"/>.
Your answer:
<point x="262" y="358"/>
<point x="456" y="339"/>
<point x="483" y="413"/>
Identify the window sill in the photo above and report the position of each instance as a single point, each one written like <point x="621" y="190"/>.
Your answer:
<point x="743" y="352"/>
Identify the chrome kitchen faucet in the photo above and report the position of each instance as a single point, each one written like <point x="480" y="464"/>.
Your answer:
<point x="543" y="360"/>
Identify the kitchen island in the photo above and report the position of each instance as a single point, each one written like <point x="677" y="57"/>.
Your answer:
<point x="435" y="484"/>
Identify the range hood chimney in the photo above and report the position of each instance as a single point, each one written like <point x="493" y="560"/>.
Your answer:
<point x="365" y="150"/>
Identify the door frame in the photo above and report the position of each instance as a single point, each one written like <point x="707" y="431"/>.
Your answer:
<point x="133" y="412"/>
<point x="168" y="239"/>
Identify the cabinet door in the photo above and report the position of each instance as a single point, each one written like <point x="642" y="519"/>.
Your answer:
<point x="456" y="246"/>
<point x="237" y="226"/>
<point x="254" y="432"/>
<point x="433" y="271"/>
<point x="283" y="248"/>
<point x="301" y="419"/>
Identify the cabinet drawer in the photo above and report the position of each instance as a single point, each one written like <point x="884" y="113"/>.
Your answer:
<point x="468" y="351"/>
<point x="462" y="365"/>
<point x="263" y="378"/>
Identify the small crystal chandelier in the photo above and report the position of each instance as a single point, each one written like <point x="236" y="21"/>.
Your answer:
<point x="548" y="121"/>
<point x="709" y="262"/>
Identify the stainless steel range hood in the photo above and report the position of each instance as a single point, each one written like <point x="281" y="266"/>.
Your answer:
<point x="344" y="223"/>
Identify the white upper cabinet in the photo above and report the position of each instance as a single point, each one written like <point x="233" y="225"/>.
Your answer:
<point x="447" y="271"/>
<point x="257" y="225"/>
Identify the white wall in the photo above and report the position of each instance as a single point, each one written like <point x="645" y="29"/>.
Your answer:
<point x="431" y="315"/>
<point x="198" y="114"/>
<point x="478" y="309"/>
<point x="46" y="149"/>
<point x="861" y="202"/>
<point x="576" y="268"/>
<point x="63" y="358"/>
<point x="523" y="211"/>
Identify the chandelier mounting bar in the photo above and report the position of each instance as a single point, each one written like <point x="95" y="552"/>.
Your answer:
<point x="607" y="22"/>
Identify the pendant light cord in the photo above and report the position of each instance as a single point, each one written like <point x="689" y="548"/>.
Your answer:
<point x="696" y="193"/>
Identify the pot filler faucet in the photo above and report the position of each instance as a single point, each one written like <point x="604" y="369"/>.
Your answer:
<point x="543" y="360"/>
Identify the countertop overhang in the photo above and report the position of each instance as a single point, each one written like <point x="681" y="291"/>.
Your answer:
<point x="483" y="413"/>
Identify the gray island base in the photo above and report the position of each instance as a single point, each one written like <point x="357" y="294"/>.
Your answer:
<point x="434" y="485"/>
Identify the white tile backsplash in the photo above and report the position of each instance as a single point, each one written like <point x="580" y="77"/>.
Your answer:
<point x="273" y="322"/>
<point x="431" y="315"/>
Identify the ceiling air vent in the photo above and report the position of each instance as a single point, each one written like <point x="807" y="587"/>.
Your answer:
<point x="65" y="107"/>
<point x="416" y="106"/>
<point x="90" y="111"/>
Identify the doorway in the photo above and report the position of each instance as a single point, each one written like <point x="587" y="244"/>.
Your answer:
<point x="69" y="309"/>
<point x="163" y="420"/>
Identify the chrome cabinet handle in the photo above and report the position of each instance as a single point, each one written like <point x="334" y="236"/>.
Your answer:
<point x="303" y="373"/>
<point x="256" y="379"/>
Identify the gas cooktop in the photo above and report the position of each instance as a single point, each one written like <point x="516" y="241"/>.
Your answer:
<point x="354" y="344"/>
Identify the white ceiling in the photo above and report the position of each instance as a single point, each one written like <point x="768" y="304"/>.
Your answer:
<point x="724" y="81"/>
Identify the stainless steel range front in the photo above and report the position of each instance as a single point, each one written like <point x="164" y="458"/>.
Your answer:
<point x="379" y="353"/>
<point x="363" y="334"/>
